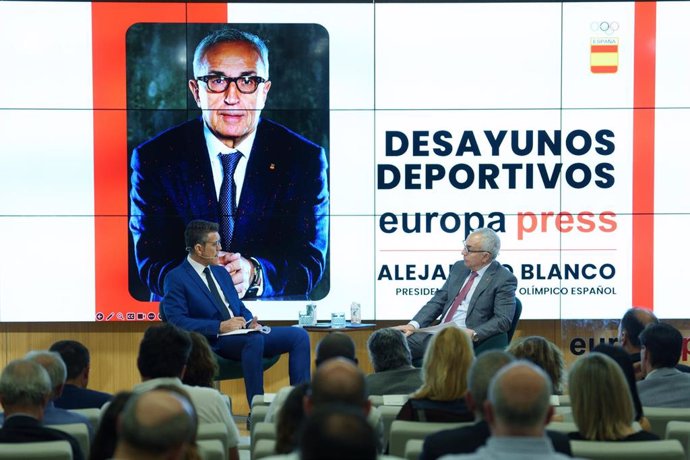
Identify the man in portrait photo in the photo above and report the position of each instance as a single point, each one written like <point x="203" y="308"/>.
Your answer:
<point x="266" y="185"/>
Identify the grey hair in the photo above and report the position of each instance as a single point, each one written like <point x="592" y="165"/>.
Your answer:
<point x="388" y="349"/>
<point x="520" y="414"/>
<point x="24" y="382"/>
<point x="482" y="371"/>
<point x="229" y="36"/>
<point x="491" y="243"/>
<point x="51" y="362"/>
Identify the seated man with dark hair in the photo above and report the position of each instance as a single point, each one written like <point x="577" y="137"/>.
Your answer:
<point x="393" y="371"/>
<point x="633" y="322"/>
<point x="25" y="390"/>
<point x="663" y="385"/>
<point x="75" y="395"/>
<point x="337" y="432"/>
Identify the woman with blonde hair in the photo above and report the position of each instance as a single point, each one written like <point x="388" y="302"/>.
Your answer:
<point x="601" y="402"/>
<point x="446" y="365"/>
<point x="544" y="354"/>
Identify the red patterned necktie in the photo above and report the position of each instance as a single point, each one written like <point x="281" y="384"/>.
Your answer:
<point x="460" y="297"/>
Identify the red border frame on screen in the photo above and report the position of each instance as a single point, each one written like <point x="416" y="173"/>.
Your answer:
<point x="110" y="22"/>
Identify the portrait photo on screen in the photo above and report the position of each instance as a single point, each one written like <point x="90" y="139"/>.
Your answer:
<point x="237" y="134"/>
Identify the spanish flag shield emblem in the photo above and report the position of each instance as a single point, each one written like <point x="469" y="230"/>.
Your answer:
<point x="604" y="55"/>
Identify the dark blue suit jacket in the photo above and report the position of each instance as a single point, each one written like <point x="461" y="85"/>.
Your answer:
<point x="282" y="218"/>
<point x="189" y="304"/>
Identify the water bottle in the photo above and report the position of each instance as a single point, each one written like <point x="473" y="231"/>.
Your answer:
<point x="355" y="313"/>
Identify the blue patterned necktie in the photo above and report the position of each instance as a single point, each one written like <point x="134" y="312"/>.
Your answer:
<point x="227" y="200"/>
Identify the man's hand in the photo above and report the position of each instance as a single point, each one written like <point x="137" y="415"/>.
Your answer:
<point x="232" y="324"/>
<point x="407" y="329"/>
<point x="254" y="324"/>
<point x="241" y="270"/>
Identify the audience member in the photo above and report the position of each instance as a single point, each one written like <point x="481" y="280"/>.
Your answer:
<point x="290" y="417"/>
<point x="518" y="410"/>
<point x="103" y="446"/>
<point x="393" y="371"/>
<point x="53" y="364"/>
<point x="163" y="355"/>
<point x="467" y="439"/>
<point x="201" y="365"/>
<point x="75" y="394"/>
<point x="625" y="362"/>
<point x="601" y="402"/>
<point x="337" y="432"/>
<point x="663" y="385"/>
<point x="441" y="398"/>
<point x="544" y="354"/>
<point x="633" y="322"/>
<point x="25" y="390"/>
<point x="156" y="424"/>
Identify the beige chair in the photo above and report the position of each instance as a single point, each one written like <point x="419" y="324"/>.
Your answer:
<point x="48" y="450"/>
<point x="264" y="448"/>
<point x="94" y="415"/>
<point x="413" y="449"/>
<point x="258" y="415"/>
<point x="211" y="449"/>
<point x="681" y="432"/>
<point x="261" y="431"/>
<point x="388" y="415"/>
<point x="660" y="416"/>
<point x="562" y="427"/>
<point x="388" y="400"/>
<point x="217" y="431"/>
<point x="636" y="450"/>
<point x="402" y="431"/>
<point x="80" y="432"/>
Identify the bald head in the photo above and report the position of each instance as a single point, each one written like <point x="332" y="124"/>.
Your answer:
<point x="338" y="380"/>
<point x="156" y="422"/>
<point x="632" y="324"/>
<point x="519" y="400"/>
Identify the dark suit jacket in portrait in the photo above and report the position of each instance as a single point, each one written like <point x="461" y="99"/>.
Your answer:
<point x="22" y="428"/>
<point x="468" y="439"/>
<point x="282" y="217"/>
<point x="491" y="307"/>
<point x="665" y="387"/>
<point x="188" y="303"/>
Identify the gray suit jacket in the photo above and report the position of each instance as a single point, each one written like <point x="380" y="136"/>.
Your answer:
<point x="665" y="387"/>
<point x="492" y="305"/>
<point x="394" y="381"/>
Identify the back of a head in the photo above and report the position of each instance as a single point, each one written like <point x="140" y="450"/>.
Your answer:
<point x="622" y="358"/>
<point x="520" y="395"/>
<point x="338" y="380"/>
<point x="446" y="364"/>
<point x="74" y="354"/>
<point x="157" y="421"/>
<point x="103" y="446"/>
<point x="634" y="321"/>
<point x="24" y="383"/>
<point x="388" y="349"/>
<point x="544" y="354"/>
<point x="335" y="345"/>
<point x="51" y="362"/>
<point x="163" y="351"/>
<point x="337" y="433"/>
<point x="600" y="399"/>
<point x="290" y="417"/>
<point x="482" y="371"/>
<point x="663" y="344"/>
<point x="201" y="365"/>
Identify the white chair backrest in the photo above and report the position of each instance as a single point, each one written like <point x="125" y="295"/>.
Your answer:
<point x="262" y="430"/>
<point x="403" y="431"/>
<point x="636" y="450"/>
<point x="388" y="414"/>
<point x="413" y="449"/>
<point x="264" y="448"/>
<point x="78" y="431"/>
<point x="211" y="449"/>
<point x="217" y="431"/>
<point x="48" y="450"/>
<point x="562" y="427"/>
<point x="94" y="415"/>
<point x="660" y="416"/>
<point x="681" y="432"/>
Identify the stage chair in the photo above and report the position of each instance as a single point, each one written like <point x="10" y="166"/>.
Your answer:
<point x="501" y="341"/>
<point x="635" y="450"/>
<point x="681" y="432"/>
<point x="402" y="431"/>
<point x="80" y="432"/>
<point x="229" y="369"/>
<point x="45" y="450"/>
<point x="660" y="416"/>
<point x="211" y="449"/>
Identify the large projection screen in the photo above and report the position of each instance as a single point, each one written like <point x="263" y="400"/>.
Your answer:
<point x="559" y="125"/>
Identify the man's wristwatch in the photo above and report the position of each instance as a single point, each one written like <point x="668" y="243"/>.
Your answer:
<point x="256" y="279"/>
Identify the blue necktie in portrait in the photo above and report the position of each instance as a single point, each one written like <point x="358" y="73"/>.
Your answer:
<point x="227" y="199"/>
